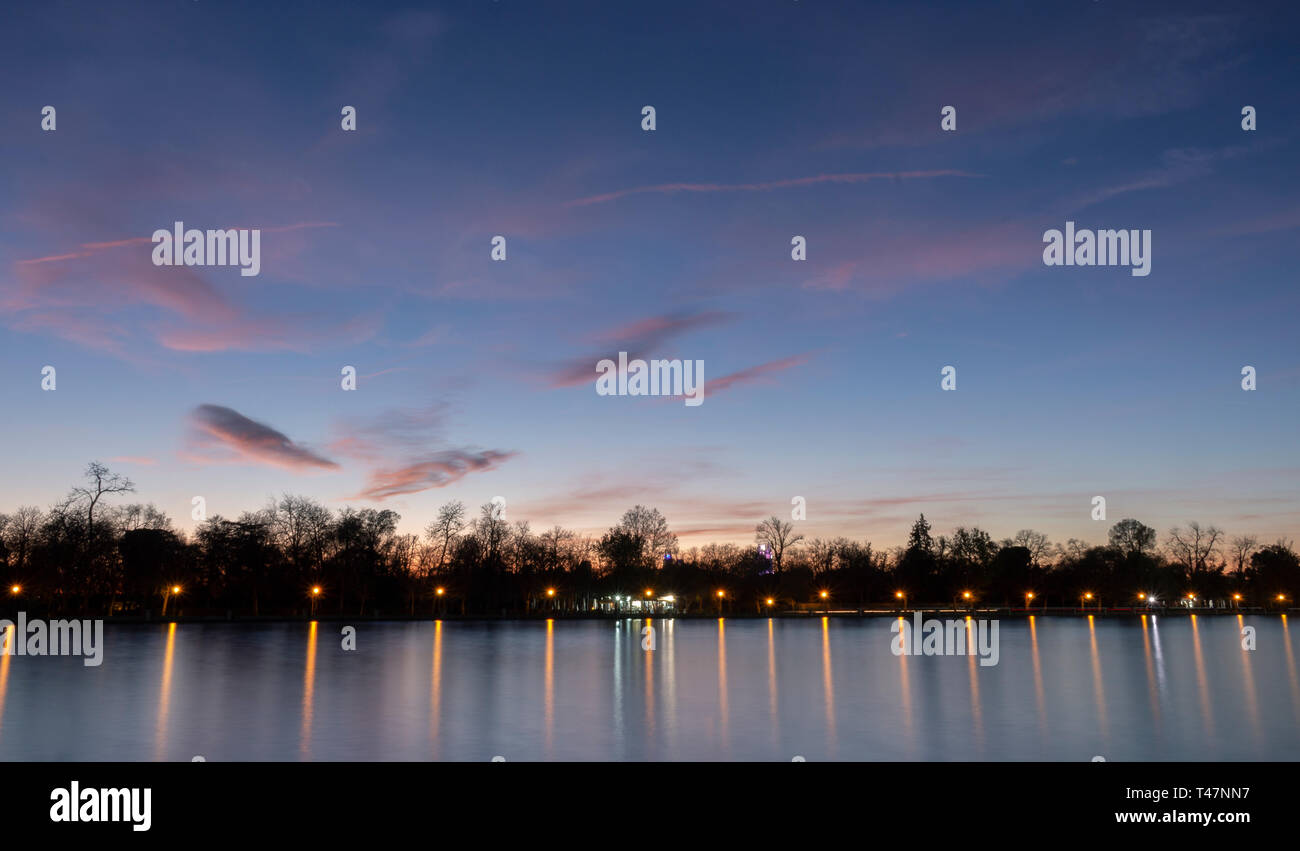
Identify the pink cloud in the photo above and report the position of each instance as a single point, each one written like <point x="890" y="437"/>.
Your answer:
<point x="753" y="373"/>
<point x="225" y="429"/>
<point x="635" y="338"/>
<point x="436" y="471"/>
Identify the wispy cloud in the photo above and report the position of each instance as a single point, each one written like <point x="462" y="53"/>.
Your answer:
<point x="395" y="445"/>
<point x="753" y="373"/>
<point x="636" y="338"/>
<point x="860" y="177"/>
<point x="234" y="436"/>
<point x="437" y="470"/>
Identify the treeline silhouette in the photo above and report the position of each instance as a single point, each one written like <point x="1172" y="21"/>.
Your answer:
<point x="88" y="556"/>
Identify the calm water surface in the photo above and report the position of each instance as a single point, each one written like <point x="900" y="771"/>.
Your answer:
<point x="1065" y="688"/>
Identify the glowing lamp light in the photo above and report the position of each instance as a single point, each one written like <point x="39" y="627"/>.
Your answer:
<point x="965" y="595"/>
<point x="550" y="592"/>
<point x="769" y="601"/>
<point x="825" y="594"/>
<point x="440" y="591"/>
<point x="315" y="590"/>
<point x="176" y="589"/>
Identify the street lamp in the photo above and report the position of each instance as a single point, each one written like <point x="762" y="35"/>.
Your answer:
<point x="315" y="592"/>
<point x="1236" y="598"/>
<point x="901" y="595"/>
<point x="1029" y="596"/>
<point x="15" y="589"/>
<point x="174" y="589"/>
<point x="1087" y="595"/>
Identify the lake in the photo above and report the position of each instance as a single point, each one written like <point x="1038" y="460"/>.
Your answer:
<point x="1064" y="688"/>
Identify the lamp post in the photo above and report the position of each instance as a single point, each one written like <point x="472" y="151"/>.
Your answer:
<point x="315" y="593"/>
<point x="1087" y="595"/>
<point x="1029" y="596"/>
<point x="721" y="594"/>
<point x="826" y="597"/>
<point x="171" y="589"/>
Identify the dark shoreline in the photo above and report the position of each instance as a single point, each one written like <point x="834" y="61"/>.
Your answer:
<point x="622" y="616"/>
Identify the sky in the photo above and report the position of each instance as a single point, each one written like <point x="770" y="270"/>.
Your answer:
<point x="774" y="119"/>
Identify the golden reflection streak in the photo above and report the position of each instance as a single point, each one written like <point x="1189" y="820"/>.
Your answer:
<point x="1290" y="668"/>
<point x="722" y="679"/>
<point x="1252" y="704"/>
<point x="650" y="680"/>
<point x="670" y="686"/>
<point x="829" y="684"/>
<point x="10" y="643"/>
<point x="1097" y="688"/>
<point x="164" y="698"/>
<point x="977" y="715"/>
<point x="1039" y="695"/>
<point x="771" y="679"/>
<point x="435" y="688"/>
<point x="1152" y="692"/>
<point x="308" y="687"/>
<point x="905" y="685"/>
<point x="550" y="686"/>
<point x="1202" y="682"/>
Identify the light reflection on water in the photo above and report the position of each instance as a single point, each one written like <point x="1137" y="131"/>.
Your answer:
<point x="1146" y="688"/>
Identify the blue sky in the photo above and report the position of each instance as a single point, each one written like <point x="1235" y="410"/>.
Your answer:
<point x="524" y="119"/>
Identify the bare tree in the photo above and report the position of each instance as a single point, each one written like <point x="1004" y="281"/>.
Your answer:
<point x="1194" y="545"/>
<point x="444" y="532"/>
<point x="492" y="530"/>
<point x="650" y="529"/>
<point x="1035" y="542"/>
<point x="20" y="533"/>
<point x="554" y="542"/>
<point x="822" y="555"/>
<point x="100" y="483"/>
<point x="779" y="535"/>
<point x="1241" y="548"/>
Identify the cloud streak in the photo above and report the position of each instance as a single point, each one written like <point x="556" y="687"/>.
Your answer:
<point x="222" y="428"/>
<point x="858" y="177"/>
<point x="438" y="470"/>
